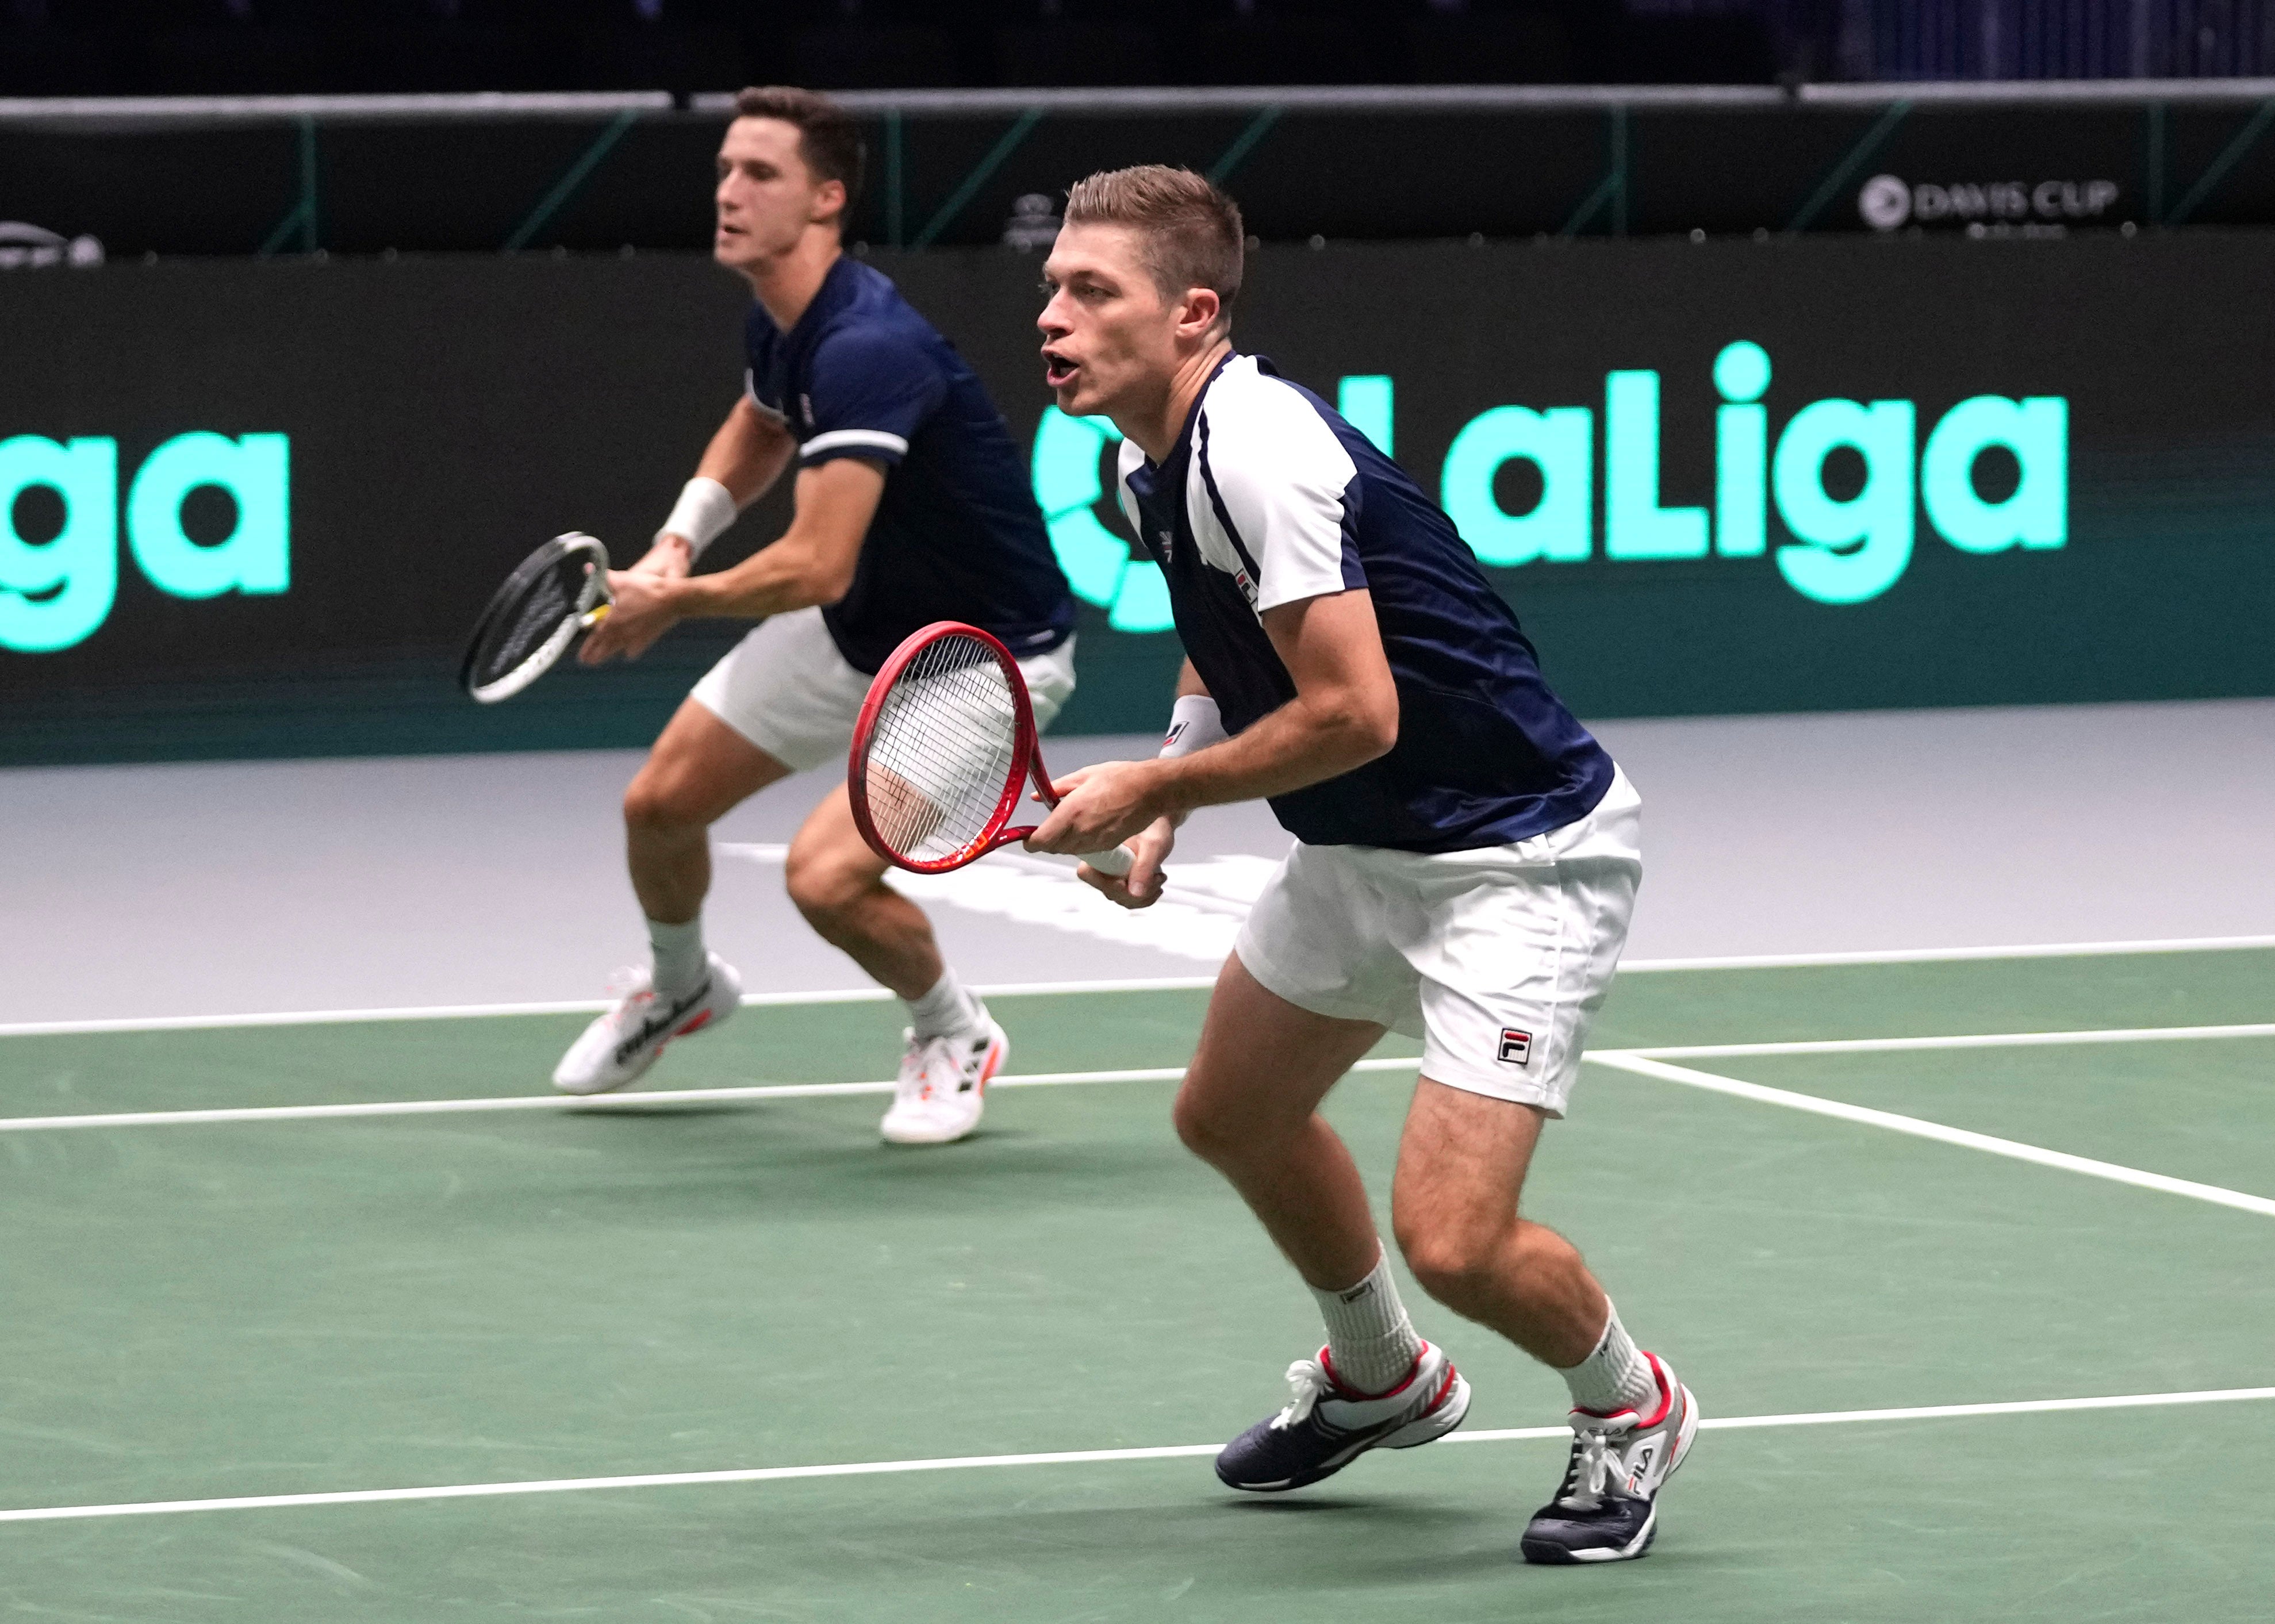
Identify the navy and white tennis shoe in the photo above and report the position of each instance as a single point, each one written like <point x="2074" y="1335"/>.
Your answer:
<point x="1327" y="1426"/>
<point x="619" y="1046"/>
<point x="1607" y="1510"/>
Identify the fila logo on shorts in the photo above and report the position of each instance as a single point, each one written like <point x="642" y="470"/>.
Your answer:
<point x="1515" y="1047"/>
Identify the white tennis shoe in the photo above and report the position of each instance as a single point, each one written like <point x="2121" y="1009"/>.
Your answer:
<point x="623" y="1043"/>
<point x="943" y="1087"/>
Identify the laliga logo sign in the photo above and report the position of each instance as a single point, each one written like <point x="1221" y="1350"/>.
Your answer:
<point x="54" y="593"/>
<point x="1845" y="549"/>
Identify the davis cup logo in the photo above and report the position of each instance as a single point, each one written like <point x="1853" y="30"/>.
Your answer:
<point x="1884" y="202"/>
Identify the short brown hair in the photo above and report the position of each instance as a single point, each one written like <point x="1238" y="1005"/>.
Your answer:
<point x="828" y="141"/>
<point x="1192" y="231"/>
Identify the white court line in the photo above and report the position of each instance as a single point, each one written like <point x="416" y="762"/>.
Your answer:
<point x="1150" y="1074"/>
<point x="1977" y="1040"/>
<point x="582" y="1103"/>
<point x="573" y="1006"/>
<point x="1073" y="1457"/>
<point x="1642" y="1066"/>
<point x="1941" y="955"/>
<point x="1136" y="984"/>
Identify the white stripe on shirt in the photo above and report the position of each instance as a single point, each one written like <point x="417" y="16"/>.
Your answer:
<point x="835" y="437"/>
<point x="751" y="394"/>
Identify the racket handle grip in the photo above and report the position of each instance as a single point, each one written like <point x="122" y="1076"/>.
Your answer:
<point x="1116" y="861"/>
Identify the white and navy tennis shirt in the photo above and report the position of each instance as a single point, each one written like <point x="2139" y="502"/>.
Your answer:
<point x="957" y="534"/>
<point x="1270" y="497"/>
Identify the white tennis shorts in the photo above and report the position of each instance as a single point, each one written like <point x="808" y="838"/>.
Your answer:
<point x="786" y="689"/>
<point x="1496" y="959"/>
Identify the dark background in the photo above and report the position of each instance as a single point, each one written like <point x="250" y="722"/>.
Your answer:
<point x="445" y="415"/>
<point x="1591" y="164"/>
<point x="178" y="47"/>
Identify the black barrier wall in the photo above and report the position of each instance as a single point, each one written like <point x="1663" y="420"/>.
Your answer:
<point x="1356" y="164"/>
<point x="251" y="507"/>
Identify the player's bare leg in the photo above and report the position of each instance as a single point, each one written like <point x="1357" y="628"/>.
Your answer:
<point x="1462" y="1164"/>
<point x="1249" y="1109"/>
<point x="952" y="1046"/>
<point x="839" y="885"/>
<point x="698" y="770"/>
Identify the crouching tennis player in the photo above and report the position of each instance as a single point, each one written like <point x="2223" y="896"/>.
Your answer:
<point x="912" y="506"/>
<point x="1464" y="866"/>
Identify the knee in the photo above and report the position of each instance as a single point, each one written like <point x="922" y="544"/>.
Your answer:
<point x="1455" y="1261"/>
<point x="1203" y="1129"/>
<point x="823" y="887"/>
<point x="655" y="804"/>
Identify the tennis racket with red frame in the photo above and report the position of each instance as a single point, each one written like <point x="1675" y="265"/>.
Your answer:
<point x="943" y="751"/>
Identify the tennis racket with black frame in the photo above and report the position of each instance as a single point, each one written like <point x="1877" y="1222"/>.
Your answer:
<point x="942" y="753"/>
<point x="556" y="593"/>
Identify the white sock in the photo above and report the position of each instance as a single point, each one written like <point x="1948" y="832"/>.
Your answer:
<point x="679" y="955"/>
<point x="1615" y="1377"/>
<point x="1370" y="1340"/>
<point x="946" y="1010"/>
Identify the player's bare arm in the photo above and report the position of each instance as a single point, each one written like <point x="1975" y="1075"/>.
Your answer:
<point x="1344" y="715"/>
<point x="745" y="458"/>
<point x="812" y="563"/>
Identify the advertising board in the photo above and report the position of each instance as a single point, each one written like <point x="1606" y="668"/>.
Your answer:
<point x="248" y="508"/>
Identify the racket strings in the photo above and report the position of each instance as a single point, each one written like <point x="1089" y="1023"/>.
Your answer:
<point x="551" y="599"/>
<point x="944" y="752"/>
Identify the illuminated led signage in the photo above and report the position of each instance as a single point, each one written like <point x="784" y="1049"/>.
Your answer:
<point x="1845" y="549"/>
<point x="57" y="591"/>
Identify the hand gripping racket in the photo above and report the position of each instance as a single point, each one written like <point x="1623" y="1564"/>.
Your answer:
<point x="942" y="753"/>
<point x="557" y="592"/>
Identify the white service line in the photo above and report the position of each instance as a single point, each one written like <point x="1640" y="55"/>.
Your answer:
<point x="1642" y="1066"/>
<point x="1148" y="1074"/>
<point x="1073" y="1457"/>
<point x="1975" y="1040"/>
<point x="622" y="1104"/>
<point x="1945" y="955"/>
<point x="574" y="1005"/>
<point x="1136" y="984"/>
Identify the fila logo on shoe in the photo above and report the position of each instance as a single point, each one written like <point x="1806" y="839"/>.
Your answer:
<point x="1639" y="1465"/>
<point x="1515" y="1047"/>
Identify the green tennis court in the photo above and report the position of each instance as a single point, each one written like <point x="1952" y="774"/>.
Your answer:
<point x="527" y="1299"/>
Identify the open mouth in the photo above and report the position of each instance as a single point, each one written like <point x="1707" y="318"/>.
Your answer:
<point x="1058" y="371"/>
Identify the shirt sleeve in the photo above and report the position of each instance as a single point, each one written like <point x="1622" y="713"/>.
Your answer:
<point x="872" y="392"/>
<point x="1287" y="495"/>
<point x="773" y="414"/>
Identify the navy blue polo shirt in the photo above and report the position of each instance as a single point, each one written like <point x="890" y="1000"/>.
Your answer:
<point x="956" y="535"/>
<point x="1270" y="497"/>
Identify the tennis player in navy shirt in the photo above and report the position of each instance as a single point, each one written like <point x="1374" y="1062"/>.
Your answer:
<point x="912" y="506"/>
<point x="1465" y="863"/>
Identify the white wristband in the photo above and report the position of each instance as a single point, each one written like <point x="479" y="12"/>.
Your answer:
<point x="704" y="508"/>
<point x="1194" y="724"/>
